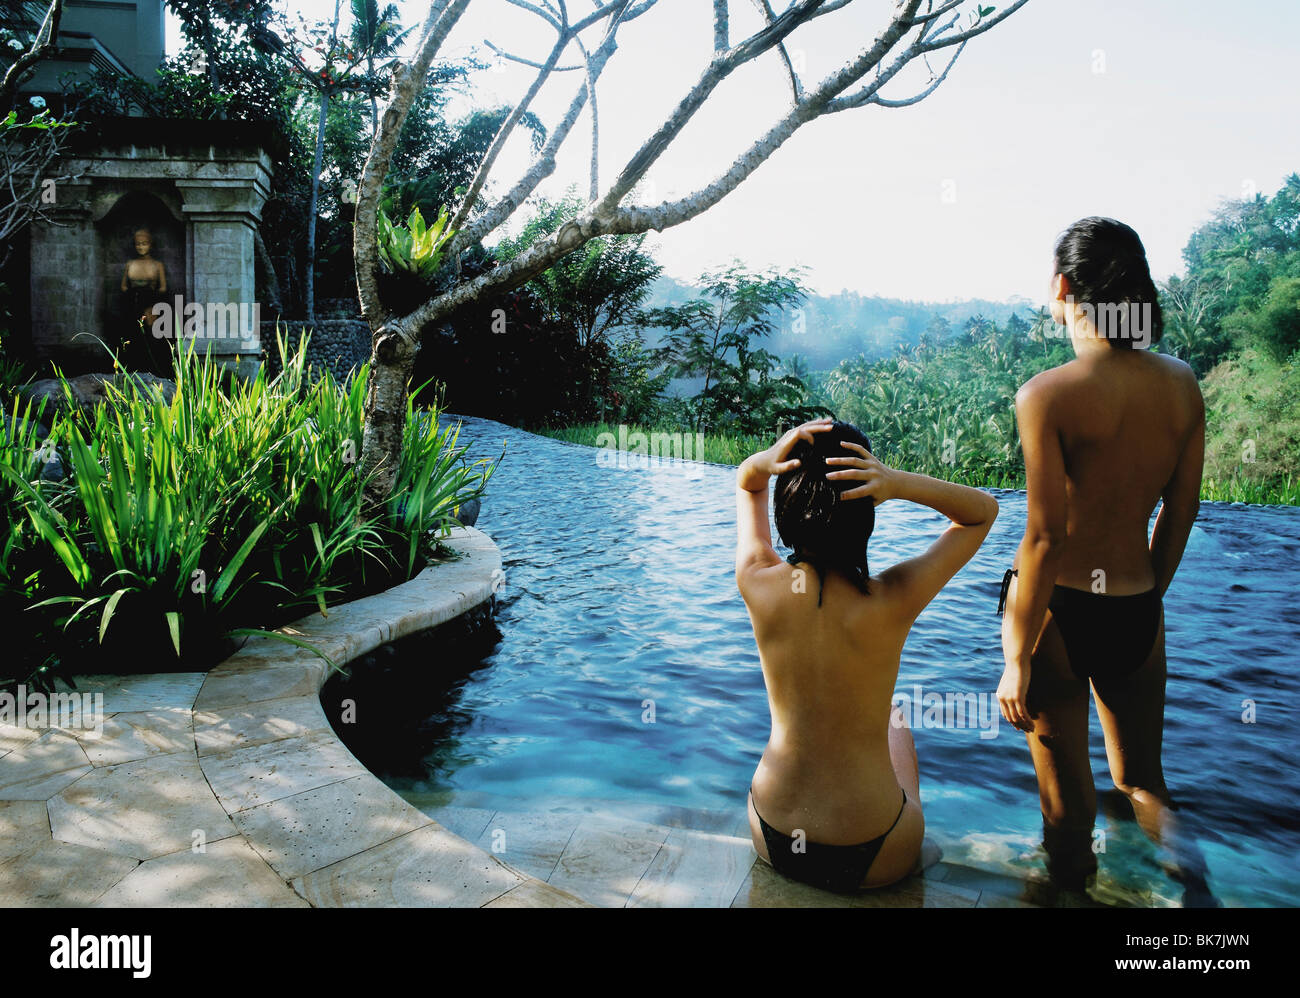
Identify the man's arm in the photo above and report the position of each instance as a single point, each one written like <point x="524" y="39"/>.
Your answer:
<point x="1181" y="501"/>
<point x="1041" y="548"/>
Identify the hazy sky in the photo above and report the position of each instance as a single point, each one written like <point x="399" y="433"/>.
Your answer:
<point x="1151" y="111"/>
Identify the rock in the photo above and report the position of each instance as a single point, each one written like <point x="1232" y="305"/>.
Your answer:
<point x="7" y="421"/>
<point x="48" y="390"/>
<point x="468" y="513"/>
<point x="54" y="471"/>
<point x="89" y="390"/>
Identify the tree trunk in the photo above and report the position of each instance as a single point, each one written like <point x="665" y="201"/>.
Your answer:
<point x="274" y="293"/>
<point x="311" y="211"/>
<point x="374" y="104"/>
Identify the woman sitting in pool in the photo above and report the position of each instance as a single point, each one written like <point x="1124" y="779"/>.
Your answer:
<point x="1105" y="436"/>
<point x="835" y="800"/>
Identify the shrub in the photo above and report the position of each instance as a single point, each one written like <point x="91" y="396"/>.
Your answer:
<point x="237" y="505"/>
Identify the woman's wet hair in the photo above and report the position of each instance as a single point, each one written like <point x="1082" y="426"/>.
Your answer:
<point x="1106" y="265"/>
<point x="828" y="534"/>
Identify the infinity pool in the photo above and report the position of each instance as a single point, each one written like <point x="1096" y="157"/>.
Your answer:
<point x="622" y="667"/>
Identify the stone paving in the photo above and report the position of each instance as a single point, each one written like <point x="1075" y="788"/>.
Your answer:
<point x="231" y="789"/>
<point x="616" y="854"/>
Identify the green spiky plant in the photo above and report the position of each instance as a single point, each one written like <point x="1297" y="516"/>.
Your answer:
<point x="229" y="510"/>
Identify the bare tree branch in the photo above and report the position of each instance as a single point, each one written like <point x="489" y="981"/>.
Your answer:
<point x="443" y="14"/>
<point x="978" y="29"/>
<point x="545" y="164"/>
<point x="531" y="63"/>
<point x="721" y="27"/>
<point x="503" y="133"/>
<point x="932" y="15"/>
<point x="796" y="88"/>
<point x="917" y="98"/>
<point x="720" y="67"/>
<point x="534" y="9"/>
<point x="593" y="187"/>
<point x="42" y="45"/>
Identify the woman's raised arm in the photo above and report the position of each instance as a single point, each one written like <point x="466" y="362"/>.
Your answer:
<point x="972" y="512"/>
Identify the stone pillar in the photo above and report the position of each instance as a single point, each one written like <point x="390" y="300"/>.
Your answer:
<point x="221" y="223"/>
<point x="64" y="246"/>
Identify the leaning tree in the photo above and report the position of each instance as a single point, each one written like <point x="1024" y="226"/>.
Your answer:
<point x="915" y="30"/>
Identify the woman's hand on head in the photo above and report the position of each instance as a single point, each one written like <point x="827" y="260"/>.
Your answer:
<point x="776" y="459"/>
<point x="879" y="481"/>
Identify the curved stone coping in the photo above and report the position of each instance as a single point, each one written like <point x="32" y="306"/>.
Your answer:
<point x="231" y="788"/>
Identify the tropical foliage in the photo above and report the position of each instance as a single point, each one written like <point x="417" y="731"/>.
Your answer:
<point x="235" y="505"/>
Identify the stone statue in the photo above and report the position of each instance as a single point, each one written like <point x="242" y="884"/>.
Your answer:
<point x="144" y="281"/>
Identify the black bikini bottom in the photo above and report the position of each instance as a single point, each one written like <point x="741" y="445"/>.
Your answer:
<point x="1105" y="636"/>
<point x="832" y="868"/>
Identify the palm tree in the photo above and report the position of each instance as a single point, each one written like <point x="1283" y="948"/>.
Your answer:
<point x="377" y="33"/>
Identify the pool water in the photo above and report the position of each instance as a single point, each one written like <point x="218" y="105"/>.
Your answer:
<point x="622" y="667"/>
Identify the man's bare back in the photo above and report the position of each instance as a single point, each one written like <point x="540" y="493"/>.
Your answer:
<point x="1124" y="420"/>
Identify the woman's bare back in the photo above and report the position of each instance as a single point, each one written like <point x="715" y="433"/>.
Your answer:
<point x="1124" y="418"/>
<point x="830" y="672"/>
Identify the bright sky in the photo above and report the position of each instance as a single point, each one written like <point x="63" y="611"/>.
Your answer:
<point x="1151" y="111"/>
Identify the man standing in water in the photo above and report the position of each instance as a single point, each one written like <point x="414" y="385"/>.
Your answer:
<point x="1105" y="437"/>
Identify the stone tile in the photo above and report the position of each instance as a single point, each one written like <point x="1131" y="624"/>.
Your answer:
<point x="60" y="875"/>
<point x="999" y="901"/>
<point x="987" y="884"/>
<point x="223" y="729"/>
<point x="733" y="822"/>
<point x="141" y="809"/>
<point x="917" y="892"/>
<point x="605" y="858"/>
<point x="306" y="832"/>
<point x="536" y="894"/>
<point x="128" y="694"/>
<point x="260" y="774"/>
<point x="467" y="822"/>
<point x="272" y="674"/>
<point x="429" y="867"/>
<point x="528" y="842"/>
<point x="355" y="628"/>
<point x="765" y="888"/>
<point x="24" y="825"/>
<point x="939" y="871"/>
<point x="12" y="737"/>
<point x="694" y="870"/>
<point x="228" y="874"/>
<point x="138" y="735"/>
<point x="42" y="767"/>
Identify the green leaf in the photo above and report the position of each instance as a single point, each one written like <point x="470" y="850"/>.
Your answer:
<point x="228" y="573"/>
<point x="109" y="607"/>
<point x="174" y="625"/>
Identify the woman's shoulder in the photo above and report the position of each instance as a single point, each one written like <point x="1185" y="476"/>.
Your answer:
<point x="1046" y="385"/>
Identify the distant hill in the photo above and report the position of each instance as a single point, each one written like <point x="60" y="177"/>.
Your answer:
<point x="833" y="328"/>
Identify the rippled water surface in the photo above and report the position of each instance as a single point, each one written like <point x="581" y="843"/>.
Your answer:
<point x="619" y="589"/>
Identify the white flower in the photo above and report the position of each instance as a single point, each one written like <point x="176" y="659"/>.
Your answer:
<point x="36" y="102"/>
<point x="16" y="45"/>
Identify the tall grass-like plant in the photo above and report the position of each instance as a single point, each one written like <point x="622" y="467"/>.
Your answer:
<point x="233" y="508"/>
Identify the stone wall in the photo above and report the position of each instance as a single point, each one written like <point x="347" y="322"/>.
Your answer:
<point x="337" y="344"/>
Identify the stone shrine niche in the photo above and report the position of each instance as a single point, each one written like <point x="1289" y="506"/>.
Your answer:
<point x="133" y="213"/>
<point x="198" y="187"/>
